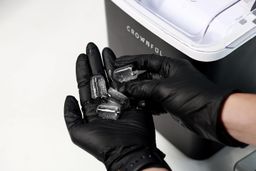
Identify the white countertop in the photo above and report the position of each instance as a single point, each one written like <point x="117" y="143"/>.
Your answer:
<point x="39" y="43"/>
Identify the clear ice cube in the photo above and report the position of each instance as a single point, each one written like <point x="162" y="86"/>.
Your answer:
<point x="109" y="110"/>
<point x="98" y="87"/>
<point x="118" y="97"/>
<point x="125" y="74"/>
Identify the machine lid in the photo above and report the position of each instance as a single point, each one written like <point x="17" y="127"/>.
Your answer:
<point x="191" y="17"/>
<point x="205" y="30"/>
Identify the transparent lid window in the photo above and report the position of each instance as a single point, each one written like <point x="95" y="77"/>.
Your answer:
<point x="194" y="17"/>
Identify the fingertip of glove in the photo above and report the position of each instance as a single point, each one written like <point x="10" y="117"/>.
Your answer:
<point x="72" y="113"/>
<point x="107" y="51"/>
<point x="70" y="97"/>
<point x="81" y="59"/>
<point x="70" y="104"/>
<point x="90" y="46"/>
<point x="108" y="55"/>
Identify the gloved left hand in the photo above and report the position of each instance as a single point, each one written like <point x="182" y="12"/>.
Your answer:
<point x="124" y="144"/>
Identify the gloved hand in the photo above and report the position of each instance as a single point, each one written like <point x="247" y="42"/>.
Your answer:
<point x="124" y="144"/>
<point x="182" y="91"/>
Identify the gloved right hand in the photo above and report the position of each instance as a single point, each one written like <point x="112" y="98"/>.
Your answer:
<point x="182" y="91"/>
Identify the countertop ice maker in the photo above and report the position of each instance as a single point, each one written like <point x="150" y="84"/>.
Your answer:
<point x="217" y="36"/>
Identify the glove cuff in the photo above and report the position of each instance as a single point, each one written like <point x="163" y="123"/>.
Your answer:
<point x="221" y="133"/>
<point x="225" y="138"/>
<point x="136" y="161"/>
<point x="206" y="121"/>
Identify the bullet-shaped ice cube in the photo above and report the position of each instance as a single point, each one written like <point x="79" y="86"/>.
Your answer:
<point x="98" y="87"/>
<point x="118" y="97"/>
<point x="125" y="74"/>
<point x="109" y="110"/>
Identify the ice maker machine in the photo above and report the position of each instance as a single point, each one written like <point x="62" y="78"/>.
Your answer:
<point x="218" y="36"/>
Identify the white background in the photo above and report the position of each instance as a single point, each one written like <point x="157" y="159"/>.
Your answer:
<point x="39" y="43"/>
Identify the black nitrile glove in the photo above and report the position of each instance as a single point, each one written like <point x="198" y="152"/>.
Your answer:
<point x="182" y="91"/>
<point x="126" y="144"/>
